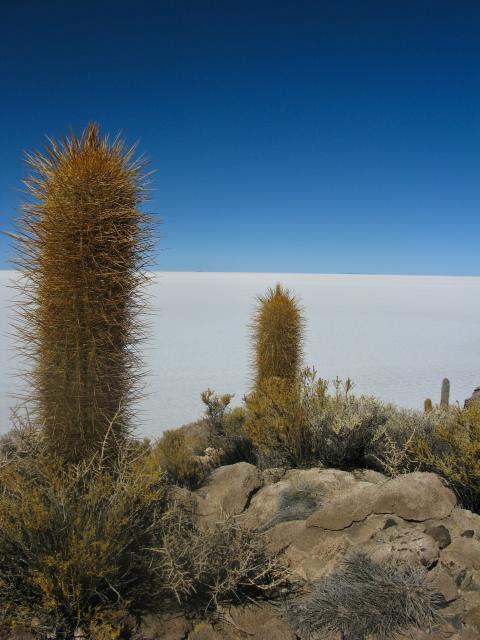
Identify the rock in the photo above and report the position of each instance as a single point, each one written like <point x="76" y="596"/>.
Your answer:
<point x="227" y="491"/>
<point x="461" y="555"/>
<point x="361" y="532"/>
<point x="283" y="534"/>
<point x="403" y="544"/>
<point x="323" y="482"/>
<point x="414" y="496"/>
<point x="441" y="534"/>
<point x="264" y="505"/>
<point x="204" y="631"/>
<point x="326" y="481"/>
<point x="163" y="628"/>
<point x="469" y="533"/>
<point x="345" y="509"/>
<point x="444" y="584"/>
<point x="472" y="618"/>
<point x="270" y="476"/>
<point x="260" y="622"/>
<point x="368" y="475"/>
<point x="474" y="398"/>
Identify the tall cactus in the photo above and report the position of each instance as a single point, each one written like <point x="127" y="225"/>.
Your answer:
<point x="277" y="332"/>
<point x="83" y="245"/>
<point x="445" y="394"/>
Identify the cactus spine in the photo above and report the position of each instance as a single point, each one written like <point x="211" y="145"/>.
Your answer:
<point x="445" y="394"/>
<point x="277" y="332"/>
<point x="83" y="245"/>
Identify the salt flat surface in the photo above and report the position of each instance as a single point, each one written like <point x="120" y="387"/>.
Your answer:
<point x="395" y="336"/>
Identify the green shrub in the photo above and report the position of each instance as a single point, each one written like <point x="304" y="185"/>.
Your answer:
<point x="83" y="244"/>
<point x="277" y="331"/>
<point x="366" y="599"/>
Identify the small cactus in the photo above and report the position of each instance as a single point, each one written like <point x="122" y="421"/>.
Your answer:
<point x="445" y="394"/>
<point x="427" y="405"/>
<point x="277" y="331"/>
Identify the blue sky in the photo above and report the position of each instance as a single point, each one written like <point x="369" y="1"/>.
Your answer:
<point x="287" y="136"/>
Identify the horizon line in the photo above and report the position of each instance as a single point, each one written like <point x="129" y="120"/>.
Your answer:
<point x="305" y="273"/>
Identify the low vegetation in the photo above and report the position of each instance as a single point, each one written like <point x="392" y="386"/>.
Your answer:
<point x="452" y="449"/>
<point x="91" y="546"/>
<point x="367" y="599"/>
<point x="205" y="567"/>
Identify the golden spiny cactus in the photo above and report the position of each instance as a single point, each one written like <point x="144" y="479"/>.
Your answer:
<point x="83" y="245"/>
<point x="277" y="332"/>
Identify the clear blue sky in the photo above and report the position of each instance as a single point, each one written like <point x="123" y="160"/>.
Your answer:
<point x="288" y="136"/>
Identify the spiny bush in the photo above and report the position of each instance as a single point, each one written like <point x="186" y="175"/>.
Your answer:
<point x="75" y="540"/>
<point x="203" y="568"/>
<point x="277" y="331"/>
<point x="452" y="449"/>
<point x="83" y="245"/>
<point x="227" y="432"/>
<point x="173" y="455"/>
<point x="366" y="599"/>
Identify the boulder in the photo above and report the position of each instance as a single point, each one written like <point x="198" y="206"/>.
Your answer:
<point x="324" y="483"/>
<point x="414" y="496"/>
<point x="258" y="622"/>
<point x="441" y="534"/>
<point x="175" y="627"/>
<point x="444" y="583"/>
<point x="472" y="618"/>
<point x="412" y="518"/>
<point x="204" y="631"/>
<point x="403" y="544"/>
<point x="227" y="491"/>
<point x="462" y="554"/>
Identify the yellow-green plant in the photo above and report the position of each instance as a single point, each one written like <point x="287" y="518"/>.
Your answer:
<point x="76" y="540"/>
<point x="277" y="331"/>
<point x="453" y="451"/>
<point x="174" y="455"/>
<point x="83" y="244"/>
<point x="276" y="423"/>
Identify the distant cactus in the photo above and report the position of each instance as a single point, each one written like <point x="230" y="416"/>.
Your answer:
<point x="83" y="244"/>
<point x="277" y="332"/>
<point x="445" y="394"/>
<point x="427" y="405"/>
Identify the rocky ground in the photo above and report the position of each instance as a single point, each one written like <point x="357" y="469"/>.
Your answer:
<point x="315" y="517"/>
